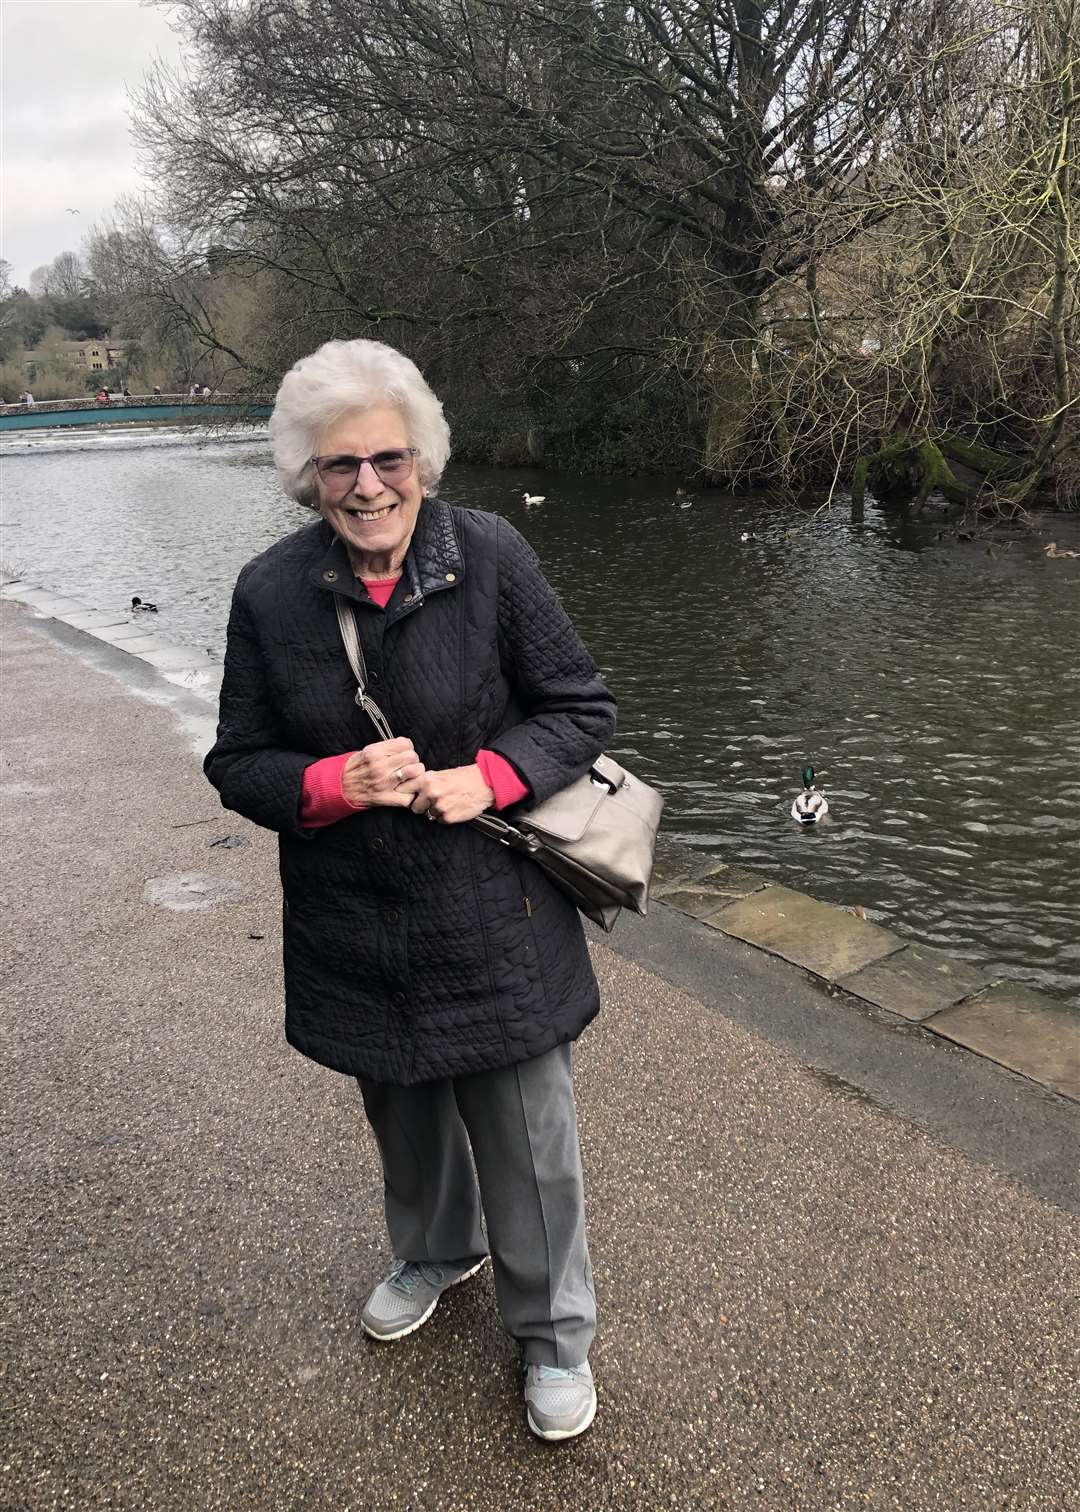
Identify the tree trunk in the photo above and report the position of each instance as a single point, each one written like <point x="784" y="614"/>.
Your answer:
<point x="731" y="380"/>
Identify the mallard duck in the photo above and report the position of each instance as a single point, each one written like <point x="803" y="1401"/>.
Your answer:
<point x="534" y="498"/>
<point x="138" y="607"/>
<point x="1054" y="552"/>
<point x="809" y="806"/>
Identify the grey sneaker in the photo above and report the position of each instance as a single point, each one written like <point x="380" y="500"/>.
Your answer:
<point x="410" y="1294"/>
<point x="560" y="1403"/>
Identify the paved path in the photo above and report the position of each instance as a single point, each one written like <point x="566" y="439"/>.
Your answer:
<point x="807" y="1301"/>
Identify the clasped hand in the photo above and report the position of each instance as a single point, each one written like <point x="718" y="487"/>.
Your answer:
<point x="389" y="774"/>
<point x="385" y="774"/>
<point x="453" y="796"/>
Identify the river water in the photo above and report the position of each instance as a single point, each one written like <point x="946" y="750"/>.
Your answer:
<point x="934" y="686"/>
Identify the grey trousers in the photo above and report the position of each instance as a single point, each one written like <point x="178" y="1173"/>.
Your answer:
<point x="519" y="1125"/>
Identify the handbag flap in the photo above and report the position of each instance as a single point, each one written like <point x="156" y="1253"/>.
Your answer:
<point x="567" y="814"/>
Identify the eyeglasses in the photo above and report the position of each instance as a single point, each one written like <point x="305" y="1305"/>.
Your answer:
<point x="339" y="473"/>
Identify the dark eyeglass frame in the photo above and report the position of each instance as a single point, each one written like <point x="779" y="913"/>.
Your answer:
<point x="342" y="483"/>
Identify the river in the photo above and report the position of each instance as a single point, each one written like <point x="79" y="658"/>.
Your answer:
<point x="934" y="685"/>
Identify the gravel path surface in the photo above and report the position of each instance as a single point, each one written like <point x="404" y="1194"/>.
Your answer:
<point x="805" y="1301"/>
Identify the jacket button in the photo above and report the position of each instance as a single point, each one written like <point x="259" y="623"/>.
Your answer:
<point x="398" y="999"/>
<point x="378" y="845"/>
<point x="391" y="916"/>
<point x="330" y="575"/>
<point x="408" y="598"/>
<point x="451" y="577"/>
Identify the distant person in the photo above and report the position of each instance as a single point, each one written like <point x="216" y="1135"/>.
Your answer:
<point x="126" y="392"/>
<point x="205" y="391"/>
<point x="102" y="396"/>
<point x="157" y="390"/>
<point x="194" y="391"/>
<point x="28" y="399"/>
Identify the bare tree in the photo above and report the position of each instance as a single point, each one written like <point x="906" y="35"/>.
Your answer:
<point x="978" y="305"/>
<point x="66" y="277"/>
<point x="653" y="233"/>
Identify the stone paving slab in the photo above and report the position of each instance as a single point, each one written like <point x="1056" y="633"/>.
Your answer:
<point x="915" y="982"/>
<point x="1021" y="1029"/>
<point x="111" y="625"/>
<point x="172" y="658"/>
<point x="128" y="638"/>
<point x="94" y="619"/>
<point x="704" y="895"/>
<point x="52" y="603"/>
<point x="816" y="936"/>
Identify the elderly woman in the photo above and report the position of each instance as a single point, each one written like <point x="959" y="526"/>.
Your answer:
<point x="443" y="971"/>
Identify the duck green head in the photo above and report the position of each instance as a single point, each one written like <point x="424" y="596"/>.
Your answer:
<point x="808" y="776"/>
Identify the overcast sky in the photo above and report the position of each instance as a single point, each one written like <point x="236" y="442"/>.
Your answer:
<point x="66" y="131"/>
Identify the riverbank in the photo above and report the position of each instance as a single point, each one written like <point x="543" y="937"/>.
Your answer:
<point x="798" y="1287"/>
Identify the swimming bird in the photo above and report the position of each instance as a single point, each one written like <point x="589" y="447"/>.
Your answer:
<point x="1054" y="552"/>
<point x="809" y="806"/>
<point x="746" y="536"/>
<point x="534" y="498"/>
<point x="138" y="607"/>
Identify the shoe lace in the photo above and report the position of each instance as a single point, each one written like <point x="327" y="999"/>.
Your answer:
<point x="407" y="1275"/>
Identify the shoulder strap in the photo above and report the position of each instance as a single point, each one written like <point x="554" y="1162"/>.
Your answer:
<point x="347" y="625"/>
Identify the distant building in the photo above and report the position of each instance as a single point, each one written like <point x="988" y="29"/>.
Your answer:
<point x="100" y="354"/>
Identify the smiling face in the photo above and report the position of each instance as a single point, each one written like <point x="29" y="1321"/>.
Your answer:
<point x="374" y="520"/>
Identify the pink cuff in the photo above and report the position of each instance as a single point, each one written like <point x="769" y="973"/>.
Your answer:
<point x="501" y="778"/>
<point x="321" y="800"/>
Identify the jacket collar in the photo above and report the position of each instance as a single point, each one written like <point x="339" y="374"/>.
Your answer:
<point x="433" y="561"/>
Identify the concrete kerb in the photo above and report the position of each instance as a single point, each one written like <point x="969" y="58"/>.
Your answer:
<point x="1024" y="1031"/>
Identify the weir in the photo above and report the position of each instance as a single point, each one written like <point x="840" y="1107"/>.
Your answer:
<point x="153" y="407"/>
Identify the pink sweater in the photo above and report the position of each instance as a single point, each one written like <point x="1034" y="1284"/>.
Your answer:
<point x="321" y="800"/>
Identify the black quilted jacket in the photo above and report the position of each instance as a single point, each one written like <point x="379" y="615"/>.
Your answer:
<point x="413" y="950"/>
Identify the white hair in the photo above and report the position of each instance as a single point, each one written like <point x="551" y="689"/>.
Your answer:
<point x="348" y="375"/>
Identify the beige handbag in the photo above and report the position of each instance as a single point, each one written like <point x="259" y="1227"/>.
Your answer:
<point x="595" y="838"/>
